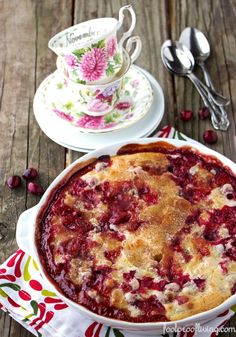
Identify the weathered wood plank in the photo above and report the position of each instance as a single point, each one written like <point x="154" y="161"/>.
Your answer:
<point x="16" y="90"/>
<point x="215" y="19"/>
<point x="25" y="61"/>
<point x="44" y="154"/>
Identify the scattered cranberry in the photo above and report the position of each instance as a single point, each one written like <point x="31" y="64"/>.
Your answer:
<point x="30" y="173"/>
<point x="35" y="189"/>
<point x="204" y="113"/>
<point x="210" y="136"/>
<point x="13" y="182"/>
<point x="186" y="115"/>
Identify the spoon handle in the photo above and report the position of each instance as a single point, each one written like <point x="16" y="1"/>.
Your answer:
<point x="218" y="121"/>
<point x="207" y="76"/>
<point x="214" y="96"/>
<point x="209" y="83"/>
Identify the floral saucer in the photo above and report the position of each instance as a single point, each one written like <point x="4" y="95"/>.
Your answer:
<point x="135" y="99"/>
<point x="70" y="137"/>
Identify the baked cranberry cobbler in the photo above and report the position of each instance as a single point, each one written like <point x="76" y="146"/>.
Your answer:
<point x="144" y="236"/>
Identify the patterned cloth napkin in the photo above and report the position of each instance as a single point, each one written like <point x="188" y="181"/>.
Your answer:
<point x="28" y="299"/>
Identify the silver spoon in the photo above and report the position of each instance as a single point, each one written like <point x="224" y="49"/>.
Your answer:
<point x="199" y="46"/>
<point x="178" y="59"/>
<point x="184" y="55"/>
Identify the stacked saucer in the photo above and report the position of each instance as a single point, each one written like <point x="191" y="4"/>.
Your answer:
<point x="97" y="96"/>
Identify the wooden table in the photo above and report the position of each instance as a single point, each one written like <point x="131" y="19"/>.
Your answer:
<point x="25" y="60"/>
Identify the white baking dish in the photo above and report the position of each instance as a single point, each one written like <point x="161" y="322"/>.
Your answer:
<point x="25" y="236"/>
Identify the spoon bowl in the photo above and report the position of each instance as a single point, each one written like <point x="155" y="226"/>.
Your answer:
<point x="177" y="58"/>
<point x="196" y="42"/>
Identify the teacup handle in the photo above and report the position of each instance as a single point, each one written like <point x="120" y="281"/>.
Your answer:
<point x="138" y="46"/>
<point x="121" y="19"/>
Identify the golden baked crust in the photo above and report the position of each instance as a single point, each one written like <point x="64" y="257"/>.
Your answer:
<point x="146" y="236"/>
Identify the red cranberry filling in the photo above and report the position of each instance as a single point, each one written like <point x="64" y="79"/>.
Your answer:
<point x="71" y="247"/>
<point x="88" y="196"/>
<point x="129" y="275"/>
<point x="234" y="289"/>
<point x="149" y="283"/>
<point x="105" y="159"/>
<point x="218" y="217"/>
<point x="231" y="252"/>
<point x="200" y="283"/>
<point x="224" y="268"/>
<point x="181" y="299"/>
<point x="126" y="287"/>
<point x="192" y="218"/>
<point x="122" y="204"/>
<point x="121" y="200"/>
<point x="150" y="306"/>
<point x="112" y="254"/>
<point x="152" y="169"/>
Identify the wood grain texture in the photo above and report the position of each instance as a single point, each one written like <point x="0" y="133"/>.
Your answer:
<point x="25" y="61"/>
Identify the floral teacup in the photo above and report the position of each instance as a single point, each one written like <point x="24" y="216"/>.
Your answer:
<point x="70" y="72"/>
<point x="100" y="99"/>
<point x="91" y="52"/>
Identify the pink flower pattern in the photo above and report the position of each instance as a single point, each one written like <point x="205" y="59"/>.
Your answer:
<point x="124" y="105"/>
<point x="93" y="64"/>
<point x="135" y="83"/>
<point x="63" y="115"/>
<point x="71" y="61"/>
<point x="91" y="122"/>
<point x="111" y="47"/>
<point x="98" y="106"/>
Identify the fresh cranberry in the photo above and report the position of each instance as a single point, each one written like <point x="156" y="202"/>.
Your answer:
<point x="203" y="113"/>
<point x="13" y="182"/>
<point x="35" y="189"/>
<point x="30" y="173"/>
<point x="186" y="115"/>
<point x="210" y="136"/>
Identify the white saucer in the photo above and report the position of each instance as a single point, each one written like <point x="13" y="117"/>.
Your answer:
<point x="70" y="137"/>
